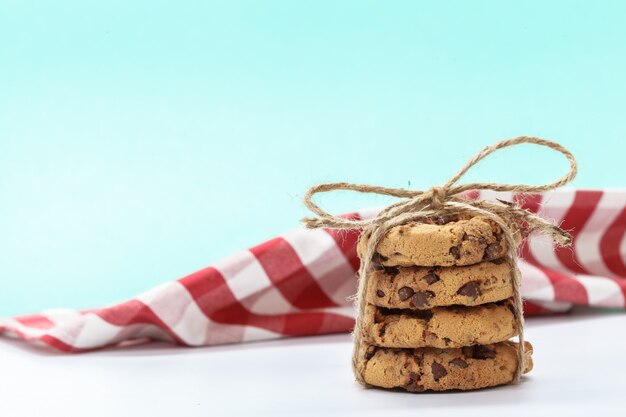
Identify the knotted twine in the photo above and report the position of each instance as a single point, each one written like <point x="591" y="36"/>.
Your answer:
<point x="442" y="201"/>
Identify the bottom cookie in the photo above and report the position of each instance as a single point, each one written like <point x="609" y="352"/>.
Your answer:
<point x="424" y="369"/>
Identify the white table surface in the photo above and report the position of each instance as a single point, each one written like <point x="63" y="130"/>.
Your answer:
<point x="580" y="366"/>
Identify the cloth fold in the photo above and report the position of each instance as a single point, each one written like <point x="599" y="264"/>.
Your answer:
<point x="299" y="283"/>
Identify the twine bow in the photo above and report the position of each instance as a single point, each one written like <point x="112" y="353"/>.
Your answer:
<point x="446" y="200"/>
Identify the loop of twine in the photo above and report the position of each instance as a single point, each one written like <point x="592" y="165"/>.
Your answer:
<point x="420" y="205"/>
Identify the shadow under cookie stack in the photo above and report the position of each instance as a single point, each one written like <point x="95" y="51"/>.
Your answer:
<point x="438" y="308"/>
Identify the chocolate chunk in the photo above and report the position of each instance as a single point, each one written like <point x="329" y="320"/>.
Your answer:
<point x="380" y="293"/>
<point x="492" y="251"/>
<point x="471" y="289"/>
<point x="445" y="339"/>
<point x="483" y="352"/>
<point x="438" y="371"/>
<point x="459" y="363"/>
<point x="498" y="261"/>
<point x="422" y="298"/>
<point x="413" y="384"/>
<point x="431" y="278"/>
<point x="377" y="261"/>
<point x="405" y="293"/>
<point x="382" y="330"/>
<point x="478" y="352"/>
<point x="468" y="351"/>
<point x="455" y="251"/>
<point x="419" y="359"/>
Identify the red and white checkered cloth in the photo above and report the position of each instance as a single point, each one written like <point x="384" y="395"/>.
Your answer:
<point x="298" y="284"/>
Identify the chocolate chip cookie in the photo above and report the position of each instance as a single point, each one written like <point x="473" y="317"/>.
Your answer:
<point x="449" y="241"/>
<point x="423" y="369"/>
<point x="441" y="327"/>
<point x="424" y="288"/>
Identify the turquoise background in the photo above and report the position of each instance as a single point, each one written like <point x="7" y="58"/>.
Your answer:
<point x="143" y="140"/>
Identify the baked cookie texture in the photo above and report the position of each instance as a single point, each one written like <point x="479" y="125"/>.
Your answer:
<point x="425" y="288"/>
<point x="440" y="327"/>
<point x="439" y="312"/>
<point x="423" y="369"/>
<point x="450" y="241"/>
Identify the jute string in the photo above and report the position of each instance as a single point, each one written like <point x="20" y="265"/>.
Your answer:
<point x="445" y="200"/>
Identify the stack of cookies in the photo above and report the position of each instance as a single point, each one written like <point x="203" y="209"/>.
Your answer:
<point x="439" y="312"/>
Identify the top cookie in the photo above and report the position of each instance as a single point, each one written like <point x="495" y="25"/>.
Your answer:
<point x="449" y="241"/>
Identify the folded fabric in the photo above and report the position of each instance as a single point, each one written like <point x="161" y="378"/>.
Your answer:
<point x="300" y="282"/>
